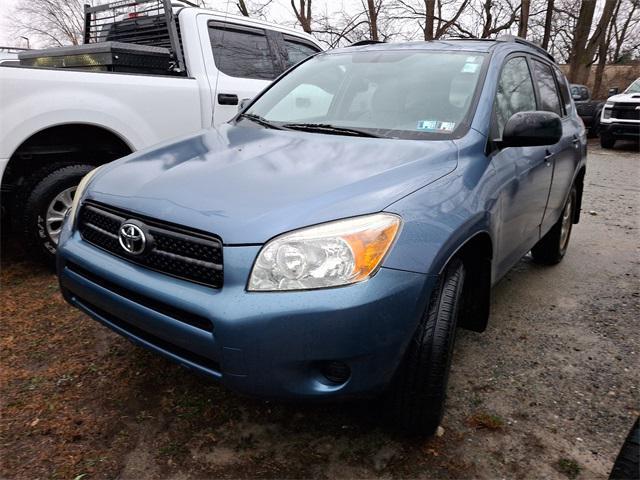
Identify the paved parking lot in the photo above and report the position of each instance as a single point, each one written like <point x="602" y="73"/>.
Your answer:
<point x="549" y="390"/>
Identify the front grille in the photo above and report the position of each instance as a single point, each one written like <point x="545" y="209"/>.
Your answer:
<point x="172" y="250"/>
<point x="626" y="111"/>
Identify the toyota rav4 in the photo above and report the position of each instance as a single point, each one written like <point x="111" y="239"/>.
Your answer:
<point x="327" y="241"/>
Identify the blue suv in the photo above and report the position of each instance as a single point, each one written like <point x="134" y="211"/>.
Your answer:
<point x="328" y="241"/>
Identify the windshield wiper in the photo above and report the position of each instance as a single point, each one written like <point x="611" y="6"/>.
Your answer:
<point x="260" y="120"/>
<point x="331" y="129"/>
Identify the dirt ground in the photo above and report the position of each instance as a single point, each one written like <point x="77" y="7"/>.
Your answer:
<point x="549" y="390"/>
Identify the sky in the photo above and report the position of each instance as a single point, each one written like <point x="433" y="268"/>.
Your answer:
<point x="6" y="6"/>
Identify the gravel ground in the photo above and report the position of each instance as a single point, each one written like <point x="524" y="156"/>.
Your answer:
<point x="549" y="390"/>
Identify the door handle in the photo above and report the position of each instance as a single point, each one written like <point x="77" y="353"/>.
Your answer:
<point x="547" y="158"/>
<point x="576" y="141"/>
<point x="227" y="99"/>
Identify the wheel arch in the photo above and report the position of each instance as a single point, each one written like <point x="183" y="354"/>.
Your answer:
<point x="63" y="143"/>
<point x="476" y="253"/>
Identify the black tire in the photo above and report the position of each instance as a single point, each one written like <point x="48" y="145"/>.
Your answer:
<point x="417" y="395"/>
<point x="551" y="248"/>
<point x="627" y="465"/>
<point x="38" y="197"/>
<point x="594" y="129"/>
<point x="607" y="141"/>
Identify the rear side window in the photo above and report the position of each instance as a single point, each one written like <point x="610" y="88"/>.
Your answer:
<point x="547" y="86"/>
<point x="243" y="53"/>
<point x="564" y="90"/>
<point x="297" y="51"/>
<point x="515" y="94"/>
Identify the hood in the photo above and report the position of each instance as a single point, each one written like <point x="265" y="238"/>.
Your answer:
<point x="625" y="98"/>
<point x="249" y="184"/>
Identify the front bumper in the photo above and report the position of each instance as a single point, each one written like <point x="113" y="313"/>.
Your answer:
<point x="263" y="344"/>
<point x="620" y="130"/>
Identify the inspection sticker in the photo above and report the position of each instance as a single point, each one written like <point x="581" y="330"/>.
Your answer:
<point x="435" y="126"/>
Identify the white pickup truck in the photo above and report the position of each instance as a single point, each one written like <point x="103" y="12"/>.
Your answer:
<point x="56" y="124"/>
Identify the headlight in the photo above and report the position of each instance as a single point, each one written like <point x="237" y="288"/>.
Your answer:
<point x="82" y="186"/>
<point x="328" y="255"/>
<point x="606" y="111"/>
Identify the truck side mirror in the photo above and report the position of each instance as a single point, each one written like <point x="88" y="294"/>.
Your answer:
<point x="613" y="91"/>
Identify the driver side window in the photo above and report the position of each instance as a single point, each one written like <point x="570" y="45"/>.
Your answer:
<point x="515" y="94"/>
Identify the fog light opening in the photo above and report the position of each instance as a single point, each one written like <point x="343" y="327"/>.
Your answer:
<point x="336" y="372"/>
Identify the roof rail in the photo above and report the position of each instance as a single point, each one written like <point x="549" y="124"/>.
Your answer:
<point x="522" y="41"/>
<point x="366" y="42"/>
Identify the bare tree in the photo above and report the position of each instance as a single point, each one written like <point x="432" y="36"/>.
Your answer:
<point x="373" y="10"/>
<point x="525" y="8"/>
<point x="49" y="22"/>
<point x="303" y="14"/>
<point x="629" y="29"/>
<point x="435" y="17"/>
<point x="547" y="24"/>
<point x="584" y="48"/>
<point x="242" y="6"/>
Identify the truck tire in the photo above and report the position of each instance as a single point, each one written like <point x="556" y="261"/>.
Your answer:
<point x="46" y="201"/>
<point x="607" y="141"/>
<point x="551" y="248"/>
<point x="627" y="465"/>
<point x="417" y="395"/>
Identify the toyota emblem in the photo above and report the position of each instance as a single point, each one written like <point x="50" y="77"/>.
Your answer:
<point x="132" y="238"/>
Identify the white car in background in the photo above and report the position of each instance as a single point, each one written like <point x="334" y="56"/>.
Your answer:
<point x="60" y="119"/>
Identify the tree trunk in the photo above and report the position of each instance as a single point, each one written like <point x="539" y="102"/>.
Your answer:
<point x="547" y="25"/>
<point x="584" y="48"/>
<point x="524" y="18"/>
<point x="373" y="20"/>
<point x="303" y="14"/>
<point x="243" y="8"/>
<point x="486" y="31"/>
<point x="429" y="6"/>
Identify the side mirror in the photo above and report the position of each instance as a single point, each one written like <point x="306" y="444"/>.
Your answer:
<point x="613" y="91"/>
<point x="243" y="103"/>
<point x="530" y="129"/>
<point x="577" y="97"/>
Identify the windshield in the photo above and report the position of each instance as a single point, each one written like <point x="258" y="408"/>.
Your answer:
<point x="393" y="93"/>
<point x="634" y="87"/>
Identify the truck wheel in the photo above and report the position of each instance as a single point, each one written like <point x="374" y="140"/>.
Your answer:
<point x="627" y="465"/>
<point x="607" y="141"/>
<point x="551" y="248"/>
<point x="48" y="199"/>
<point x="417" y="395"/>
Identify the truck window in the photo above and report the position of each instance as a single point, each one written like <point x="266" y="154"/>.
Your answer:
<point x="515" y="94"/>
<point x="547" y="86"/>
<point x="240" y="52"/>
<point x="297" y="51"/>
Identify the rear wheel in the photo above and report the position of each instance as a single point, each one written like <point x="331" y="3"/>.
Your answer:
<point x="551" y="248"/>
<point x="417" y="395"/>
<point x="48" y="199"/>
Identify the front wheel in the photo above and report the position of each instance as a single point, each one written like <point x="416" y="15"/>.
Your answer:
<point x="551" y="248"/>
<point x="417" y="396"/>
<point x="607" y="141"/>
<point x="48" y="200"/>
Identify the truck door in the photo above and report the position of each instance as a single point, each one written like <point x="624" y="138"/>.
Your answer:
<point x="246" y="61"/>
